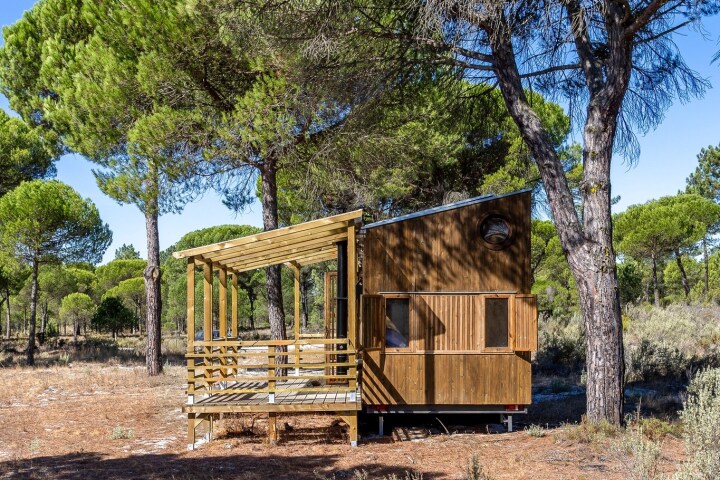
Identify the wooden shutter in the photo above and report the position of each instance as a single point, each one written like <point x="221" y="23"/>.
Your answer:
<point x="373" y="321"/>
<point x="526" y="329"/>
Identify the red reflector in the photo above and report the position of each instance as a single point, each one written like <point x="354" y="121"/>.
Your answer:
<point x="381" y="408"/>
<point x="512" y="408"/>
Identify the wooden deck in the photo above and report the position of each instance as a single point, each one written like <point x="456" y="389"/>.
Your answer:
<point x="293" y="396"/>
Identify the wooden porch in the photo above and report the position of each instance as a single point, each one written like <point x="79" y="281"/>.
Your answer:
<point x="229" y="375"/>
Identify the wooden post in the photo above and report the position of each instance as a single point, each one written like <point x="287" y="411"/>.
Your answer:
<point x="271" y="374"/>
<point x="222" y="320"/>
<point x="192" y="423"/>
<point x="207" y="314"/>
<point x="190" y="304"/>
<point x="352" y="315"/>
<point x="234" y="317"/>
<point x="352" y="283"/>
<point x="191" y="336"/>
<point x="296" y="271"/>
<point x="352" y="421"/>
<point x="234" y="312"/>
<point x="272" y="428"/>
<point x="207" y="300"/>
<point x="223" y="303"/>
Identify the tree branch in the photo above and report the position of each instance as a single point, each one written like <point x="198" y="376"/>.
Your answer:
<point x="642" y="18"/>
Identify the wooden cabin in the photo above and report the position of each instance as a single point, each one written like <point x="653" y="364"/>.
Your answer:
<point x="441" y="321"/>
<point x="448" y="321"/>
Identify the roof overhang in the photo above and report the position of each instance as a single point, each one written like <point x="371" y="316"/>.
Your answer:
<point x="302" y="244"/>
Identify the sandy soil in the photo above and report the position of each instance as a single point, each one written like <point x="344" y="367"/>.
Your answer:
<point x="112" y="422"/>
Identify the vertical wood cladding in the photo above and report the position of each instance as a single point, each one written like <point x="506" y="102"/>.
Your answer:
<point x="447" y="361"/>
<point x="444" y="252"/>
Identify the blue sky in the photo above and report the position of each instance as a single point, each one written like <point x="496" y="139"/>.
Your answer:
<point x="668" y="155"/>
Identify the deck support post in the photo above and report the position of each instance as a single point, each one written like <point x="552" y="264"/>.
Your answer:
<point x="381" y="425"/>
<point x="352" y="421"/>
<point x="272" y="428"/>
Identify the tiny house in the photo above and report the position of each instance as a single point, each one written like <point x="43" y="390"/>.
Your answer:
<point x="439" y="318"/>
<point x="447" y="319"/>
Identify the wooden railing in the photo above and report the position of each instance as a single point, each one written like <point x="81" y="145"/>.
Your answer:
<point x="272" y="367"/>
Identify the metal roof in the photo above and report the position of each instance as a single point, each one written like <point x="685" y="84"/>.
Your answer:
<point x="442" y="208"/>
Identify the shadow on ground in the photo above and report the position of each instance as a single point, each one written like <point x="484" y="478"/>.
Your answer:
<point x="167" y="466"/>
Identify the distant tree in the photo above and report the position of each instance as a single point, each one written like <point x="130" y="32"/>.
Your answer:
<point x="55" y="282"/>
<point x="664" y="227"/>
<point x="127" y="252"/>
<point x="24" y="154"/>
<point x="12" y="277"/>
<point x="680" y="284"/>
<point x="705" y="181"/>
<point x="630" y="281"/>
<point x="78" y="309"/>
<point x="175" y="278"/>
<point x="73" y="68"/>
<point x="111" y="315"/>
<point x="132" y="294"/>
<point x="114" y="272"/>
<point x="48" y="222"/>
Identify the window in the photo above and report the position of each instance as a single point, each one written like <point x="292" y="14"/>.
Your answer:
<point x="397" y="322"/>
<point x="496" y="323"/>
<point x="495" y="232"/>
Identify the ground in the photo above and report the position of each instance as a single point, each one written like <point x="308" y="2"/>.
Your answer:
<point x="91" y="420"/>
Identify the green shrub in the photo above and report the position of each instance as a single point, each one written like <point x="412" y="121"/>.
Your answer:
<point x="536" y="431"/>
<point x="475" y="470"/>
<point x="644" y="454"/>
<point x="562" y="344"/>
<point x="671" y="342"/>
<point x="590" y="433"/>
<point x="120" y="433"/>
<point x="701" y="418"/>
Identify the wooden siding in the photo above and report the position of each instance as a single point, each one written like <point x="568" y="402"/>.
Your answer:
<point x="447" y="322"/>
<point x="443" y="251"/>
<point x="372" y="323"/>
<point x="526" y="327"/>
<point x="446" y="379"/>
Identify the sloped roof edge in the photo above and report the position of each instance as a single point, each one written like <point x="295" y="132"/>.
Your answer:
<point x="442" y="208"/>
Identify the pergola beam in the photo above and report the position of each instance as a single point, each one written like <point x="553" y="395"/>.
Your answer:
<point x="270" y="235"/>
<point x="301" y="258"/>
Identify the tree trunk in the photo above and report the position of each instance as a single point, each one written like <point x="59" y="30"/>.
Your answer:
<point x="152" y="287"/>
<point x="656" y="285"/>
<point x="76" y="327"/>
<point x="7" y="313"/>
<point x="251" y="298"/>
<point x="43" y="321"/>
<point x="706" y="262"/>
<point x="683" y="275"/>
<point x="276" y="312"/>
<point x="33" y="312"/>
<point x="305" y="300"/>
<point x="270" y="222"/>
<point x="587" y="246"/>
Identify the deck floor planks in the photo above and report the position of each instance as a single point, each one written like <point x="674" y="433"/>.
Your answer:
<point x="295" y="400"/>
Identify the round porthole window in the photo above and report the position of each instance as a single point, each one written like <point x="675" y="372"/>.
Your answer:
<point x="495" y="231"/>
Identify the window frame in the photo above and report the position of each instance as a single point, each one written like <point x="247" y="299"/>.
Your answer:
<point x="411" y="325"/>
<point x="496" y="246"/>
<point x="510" y="324"/>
